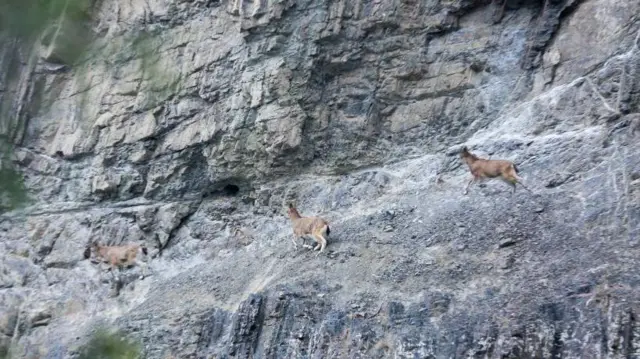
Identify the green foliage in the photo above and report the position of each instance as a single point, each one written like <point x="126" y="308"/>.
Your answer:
<point x="9" y="350"/>
<point x="61" y="31"/>
<point x="61" y="22"/>
<point x="27" y="19"/>
<point x="102" y="345"/>
<point x="110" y="345"/>
<point x="12" y="190"/>
<point x="58" y="22"/>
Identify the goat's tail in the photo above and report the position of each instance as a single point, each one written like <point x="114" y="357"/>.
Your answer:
<point x="515" y="168"/>
<point x="325" y="229"/>
<point x="87" y="252"/>
<point x="92" y="245"/>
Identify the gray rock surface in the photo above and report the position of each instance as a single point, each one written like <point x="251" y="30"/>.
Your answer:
<point x="356" y="110"/>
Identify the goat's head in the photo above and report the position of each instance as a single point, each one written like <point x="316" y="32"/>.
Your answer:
<point x="464" y="152"/>
<point x="467" y="156"/>
<point x="93" y="246"/>
<point x="292" y="211"/>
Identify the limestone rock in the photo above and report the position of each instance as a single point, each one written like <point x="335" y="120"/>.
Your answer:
<point x="188" y="126"/>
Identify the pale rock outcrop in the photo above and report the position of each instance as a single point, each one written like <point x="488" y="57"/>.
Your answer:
<point x="192" y="141"/>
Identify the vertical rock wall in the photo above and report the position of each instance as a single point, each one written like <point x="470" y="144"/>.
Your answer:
<point x="187" y="125"/>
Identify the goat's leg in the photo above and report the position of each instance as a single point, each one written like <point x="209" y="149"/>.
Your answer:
<point x="295" y="245"/>
<point x="322" y="242"/>
<point x="113" y="264"/>
<point x="466" y="189"/>
<point x="112" y="271"/>
<point x="116" y="276"/>
<point x="316" y="236"/>
<point x="511" y="181"/>
<point x="519" y="180"/>
<point x="144" y="269"/>
<point x="525" y="187"/>
<point x="305" y="245"/>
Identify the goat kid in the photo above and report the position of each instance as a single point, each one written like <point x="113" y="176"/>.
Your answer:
<point x="316" y="227"/>
<point x="482" y="169"/>
<point x="120" y="256"/>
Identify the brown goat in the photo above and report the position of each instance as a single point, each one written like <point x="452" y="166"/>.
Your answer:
<point x="316" y="227"/>
<point x="120" y="256"/>
<point x="483" y="169"/>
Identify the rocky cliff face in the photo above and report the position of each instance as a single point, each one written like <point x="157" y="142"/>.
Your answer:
<point x="356" y="110"/>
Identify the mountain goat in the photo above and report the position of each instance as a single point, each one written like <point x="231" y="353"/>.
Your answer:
<point x="317" y="227"/>
<point x="120" y="256"/>
<point x="482" y="169"/>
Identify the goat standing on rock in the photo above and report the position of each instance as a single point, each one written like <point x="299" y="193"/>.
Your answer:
<point x="317" y="227"/>
<point x="119" y="256"/>
<point x="482" y="169"/>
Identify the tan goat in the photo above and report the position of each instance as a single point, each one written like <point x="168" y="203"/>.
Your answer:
<point x="482" y="169"/>
<point x="120" y="256"/>
<point x="316" y="227"/>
